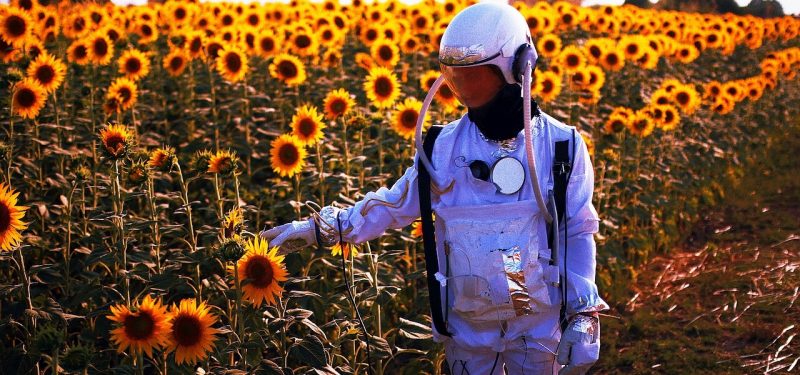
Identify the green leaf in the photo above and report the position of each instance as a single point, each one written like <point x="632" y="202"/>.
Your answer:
<point x="415" y="331"/>
<point x="310" y="351"/>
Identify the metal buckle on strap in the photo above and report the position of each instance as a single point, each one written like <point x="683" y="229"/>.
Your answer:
<point x="561" y="168"/>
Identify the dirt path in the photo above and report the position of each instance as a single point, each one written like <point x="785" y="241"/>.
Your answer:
<point x="727" y="302"/>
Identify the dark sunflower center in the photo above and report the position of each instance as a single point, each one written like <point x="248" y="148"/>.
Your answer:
<point x="79" y="24"/>
<point x="682" y="98"/>
<point x="327" y="35"/>
<point x="253" y="20"/>
<point x="567" y="18"/>
<point x="180" y="14"/>
<point x="259" y="271"/>
<point x="133" y="65"/>
<point x="533" y="22"/>
<point x="595" y="51"/>
<point x="383" y="87"/>
<point x="26" y="98"/>
<point x="147" y="30"/>
<point x="307" y="127"/>
<point x="80" y="52"/>
<point x="234" y="62"/>
<point x="267" y="44"/>
<point x="449" y="7"/>
<point x="632" y="49"/>
<point x="113" y="35"/>
<point x="338" y="106"/>
<point x="669" y="116"/>
<point x="411" y="43"/>
<point x="115" y="143"/>
<point x="176" y="63"/>
<point x="287" y="69"/>
<point x="45" y="74"/>
<point x="339" y="22"/>
<point x="288" y="154"/>
<point x="573" y="60"/>
<point x="549" y="45"/>
<point x="547" y="86"/>
<point x="421" y="22"/>
<point x="5" y="217"/>
<point x="187" y="330"/>
<point x="15" y="26"/>
<point x="385" y="53"/>
<point x="139" y="326"/>
<point x="372" y="34"/>
<point x="195" y="45"/>
<point x="612" y="59"/>
<point x="125" y="93"/>
<point x="408" y="119"/>
<point x="227" y="20"/>
<point x="640" y="124"/>
<point x="445" y="92"/>
<point x="617" y="126"/>
<point x="302" y="41"/>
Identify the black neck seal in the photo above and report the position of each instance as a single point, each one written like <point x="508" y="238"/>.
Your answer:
<point x="501" y="117"/>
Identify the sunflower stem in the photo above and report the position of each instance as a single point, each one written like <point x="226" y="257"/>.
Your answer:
<point x="239" y="326"/>
<point x="54" y="365"/>
<point x="68" y="240"/>
<point x="10" y="150"/>
<point x="220" y="208"/>
<point x="297" y="195"/>
<point x="346" y="157"/>
<point x="236" y="185"/>
<point x="213" y="107"/>
<point x="319" y="174"/>
<point x="94" y="146"/>
<point x="120" y="224"/>
<point x="27" y="282"/>
<point x="154" y="220"/>
<point x="139" y="363"/>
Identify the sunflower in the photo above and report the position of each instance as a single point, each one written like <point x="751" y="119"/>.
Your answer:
<point x="11" y="224"/>
<point x="687" y="98"/>
<point x="232" y="63"/>
<point x="416" y="229"/>
<point x="671" y="118"/>
<point x="148" y="31"/>
<point x="7" y="52"/>
<point x="712" y="90"/>
<point x="48" y="71"/>
<point x="365" y="61"/>
<point x="549" y="45"/>
<point x="78" y="52"/>
<point x="195" y="40"/>
<point x="687" y="53"/>
<point x="15" y="26"/>
<point x="547" y="85"/>
<point x="404" y="119"/>
<point x="616" y="123"/>
<point x="307" y="125"/>
<point x="190" y="334"/>
<point x="303" y="43"/>
<point x="661" y="97"/>
<point x="571" y="58"/>
<point x="233" y="223"/>
<point x="134" y="64"/>
<point x="143" y="329"/>
<point x="331" y="58"/>
<point x="287" y="155"/>
<point x="34" y="47"/>
<point x="162" y="159"/>
<point x="288" y="69"/>
<point x="101" y="50"/>
<point x="213" y="46"/>
<point x="125" y="91"/>
<point x="723" y="105"/>
<point x="267" y="43"/>
<point x="613" y="59"/>
<point x="649" y="58"/>
<point x="138" y="173"/>
<point x="338" y="103"/>
<point x="223" y="162"/>
<point x="116" y="139"/>
<point x="28" y="98"/>
<point x="641" y="124"/>
<point x="175" y="61"/>
<point x="382" y="87"/>
<point x="261" y="269"/>
<point x="385" y="53"/>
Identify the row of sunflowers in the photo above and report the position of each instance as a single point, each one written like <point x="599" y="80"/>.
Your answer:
<point x="145" y="146"/>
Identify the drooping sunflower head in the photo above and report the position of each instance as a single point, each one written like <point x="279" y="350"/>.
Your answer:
<point x="232" y="63"/>
<point x="28" y="98"/>
<point x="404" y="119"/>
<point x="223" y="162"/>
<point x="142" y="328"/>
<point x="116" y="139"/>
<point x="191" y="335"/>
<point x="307" y="125"/>
<point x="125" y="91"/>
<point x="138" y="173"/>
<point x="134" y="64"/>
<point x="233" y="223"/>
<point x="288" y="69"/>
<point x="201" y="160"/>
<point x="287" y="155"/>
<point x="48" y="71"/>
<point x="382" y="87"/>
<point x="163" y="159"/>
<point x="349" y="249"/>
<point x="338" y="103"/>
<point x="11" y="224"/>
<point x="260" y="270"/>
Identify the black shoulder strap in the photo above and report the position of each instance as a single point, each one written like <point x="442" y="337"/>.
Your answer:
<point x="561" y="168"/>
<point x="428" y="235"/>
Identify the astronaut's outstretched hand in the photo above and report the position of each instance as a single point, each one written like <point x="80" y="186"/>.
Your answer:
<point x="291" y="237"/>
<point x="579" y="348"/>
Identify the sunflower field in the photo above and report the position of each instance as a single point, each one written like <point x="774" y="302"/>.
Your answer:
<point x="144" y="147"/>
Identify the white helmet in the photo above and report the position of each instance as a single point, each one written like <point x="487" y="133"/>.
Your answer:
<point x="489" y="33"/>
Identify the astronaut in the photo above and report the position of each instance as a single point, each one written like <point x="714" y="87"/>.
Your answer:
<point x="515" y="298"/>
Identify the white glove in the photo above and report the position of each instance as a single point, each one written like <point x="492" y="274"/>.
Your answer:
<point x="579" y="348"/>
<point x="291" y="237"/>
